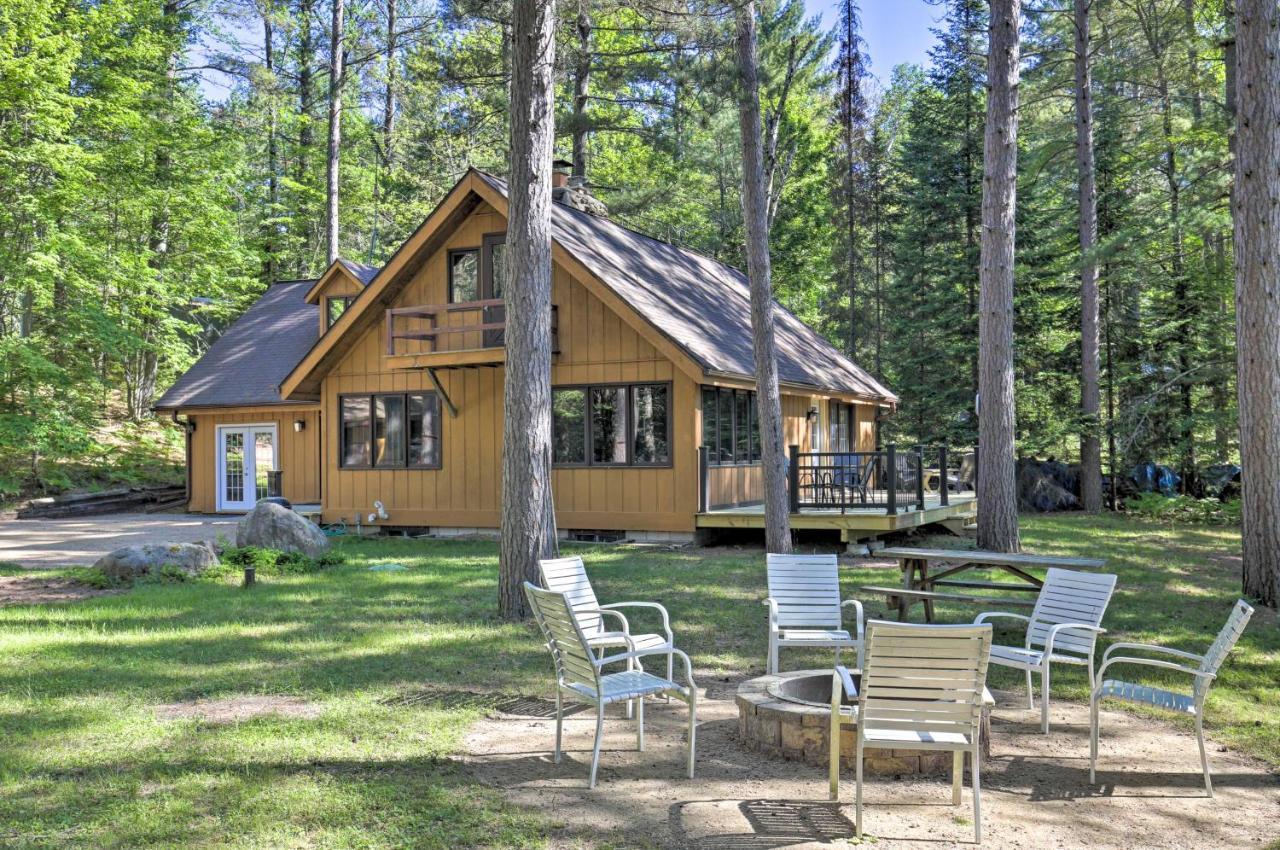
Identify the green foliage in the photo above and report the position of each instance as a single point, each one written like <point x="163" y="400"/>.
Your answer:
<point x="1156" y="506"/>
<point x="273" y="562"/>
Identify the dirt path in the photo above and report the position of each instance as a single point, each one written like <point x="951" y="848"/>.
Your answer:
<point x="1035" y="788"/>
<point x="79" y="542"/>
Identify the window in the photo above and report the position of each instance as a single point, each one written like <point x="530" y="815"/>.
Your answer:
<point x="390" y="431"/>
<point x="335" y="306"/>
<point x="612" y="425"/>
<point x="730" y="426"/>
<point x="843" y="438"/>
<point x="464" y="276"/>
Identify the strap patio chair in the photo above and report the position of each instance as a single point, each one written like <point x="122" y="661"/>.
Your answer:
<point x="569" y="576"/>
<point x="1203" y="673"/>
<point x="1063" y="628"/>
<point x="922" y="688"/>
<point x="579" y="674"/>
<point x="805" y="608"/>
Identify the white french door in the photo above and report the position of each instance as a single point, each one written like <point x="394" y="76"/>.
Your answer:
<point x="246" y="453"/>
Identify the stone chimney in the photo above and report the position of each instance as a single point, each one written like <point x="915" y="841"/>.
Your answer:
<point x="572" y="191"/>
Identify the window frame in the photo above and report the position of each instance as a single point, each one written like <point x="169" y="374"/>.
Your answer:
<point x="434" y="400"/>
<point x="455" y="252"/>
<point x="485" y="282"/>
<point x="329" y="321"/>
<point x="588" y="443"/>
<point x="754" y="451"/>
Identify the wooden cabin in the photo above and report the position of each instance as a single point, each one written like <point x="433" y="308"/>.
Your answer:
<point x="385" y="385"/>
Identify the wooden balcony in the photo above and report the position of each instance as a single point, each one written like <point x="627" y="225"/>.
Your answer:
<point x="448" y="336"/>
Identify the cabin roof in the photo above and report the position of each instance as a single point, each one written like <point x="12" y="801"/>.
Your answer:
<point x="701" y="304"/>
<point x="246" y="364"/>
<point x="362" y="272"/>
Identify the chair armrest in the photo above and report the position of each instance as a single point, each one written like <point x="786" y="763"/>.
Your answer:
<point x="1063" y="627"/>
<point x="666" y="618"/>
<point x="773" y="612"/>
<point x="857" y="609"/>
<point x="989" y="615"/>
<point x="844" y="681"/>
<point x="1150" y="647"/>
<point x="1151" y="662"/>
<point x="626" y="627"/>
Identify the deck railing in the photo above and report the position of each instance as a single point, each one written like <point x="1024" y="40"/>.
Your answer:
<point x="464" y="326"/>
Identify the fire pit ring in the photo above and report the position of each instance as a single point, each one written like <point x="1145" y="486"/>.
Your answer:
<point x="788" y="716"/>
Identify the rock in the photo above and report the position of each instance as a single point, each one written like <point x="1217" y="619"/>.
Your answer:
<point x="131" y="562"/>
<point x="270" y="526"/>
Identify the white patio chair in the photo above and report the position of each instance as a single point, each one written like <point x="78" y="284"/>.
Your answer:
<point x="1204" y="672"/>
<point x="805" y="608"/>
<point x="578" y="674"/>
<point x="1063" y="628"/>
<point x="922" y="688"/>
<point x="569" y="576"/>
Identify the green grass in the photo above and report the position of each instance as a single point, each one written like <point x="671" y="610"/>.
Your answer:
<point x="86" y="761"/>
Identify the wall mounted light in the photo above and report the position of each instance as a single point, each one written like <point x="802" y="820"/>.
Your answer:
<point x="299" y="424"/>
<point x="812" y="415"/>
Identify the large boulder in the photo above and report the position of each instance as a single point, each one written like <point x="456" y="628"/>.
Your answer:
<point x="271" y="526"/>
<point x="133" y="562"/>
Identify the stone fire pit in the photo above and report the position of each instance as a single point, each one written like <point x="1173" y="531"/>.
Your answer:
<point x="789" y="716"/>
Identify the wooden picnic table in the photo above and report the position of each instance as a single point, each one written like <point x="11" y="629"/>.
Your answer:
<point x="919" y="585"/>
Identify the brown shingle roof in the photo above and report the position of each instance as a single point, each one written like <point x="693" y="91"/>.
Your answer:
<point x="701" y="304"/>
<point x="246" y="364"/>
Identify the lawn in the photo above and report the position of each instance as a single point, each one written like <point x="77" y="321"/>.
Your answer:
<point x="90" y="758"/>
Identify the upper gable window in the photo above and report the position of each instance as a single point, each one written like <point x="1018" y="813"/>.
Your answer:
<point x="464" y="276"/>
<point x="334" y="307"/>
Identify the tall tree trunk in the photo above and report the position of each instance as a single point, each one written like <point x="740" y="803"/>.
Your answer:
<point x="528" y="513"/>
<point x="997" y="487"/>
<point x="1256" y="207"/>
<point x="270" y="249"/>
<point x="755" y="215"/>
<point x="333" y="157"/>
<point x="581" y="88"/>
<point x="389" y="96"/>
<point x="306" y="133"/>
<point x="1090" y="401"/>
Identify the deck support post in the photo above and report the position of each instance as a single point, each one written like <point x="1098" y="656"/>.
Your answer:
<point x="704" y="495"/>
<point x="891" y="486"/>
<point x="793" y="478"/>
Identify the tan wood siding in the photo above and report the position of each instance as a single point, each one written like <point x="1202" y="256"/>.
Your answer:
<point x="595" y="347"/>
<point x="299" y="452"/>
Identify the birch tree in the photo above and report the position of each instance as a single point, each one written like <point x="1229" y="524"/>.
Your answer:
<point x="997" y="486"/>
<point x="528" y="519"/>
<point x="755" y="214"/>
<point x="1256" y="208"/>
<point x="1090" y="397"/>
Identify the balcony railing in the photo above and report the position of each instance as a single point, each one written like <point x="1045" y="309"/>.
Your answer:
<point x="441" y="328"/>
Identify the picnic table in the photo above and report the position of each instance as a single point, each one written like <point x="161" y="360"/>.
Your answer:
<point x="919" y="585"/>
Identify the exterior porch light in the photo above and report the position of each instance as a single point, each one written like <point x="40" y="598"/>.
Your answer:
<point x="812" y="415"/>
<point x="299" y="424"/>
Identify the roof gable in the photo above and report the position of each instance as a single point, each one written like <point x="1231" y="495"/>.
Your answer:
<point x="358" y="273"/>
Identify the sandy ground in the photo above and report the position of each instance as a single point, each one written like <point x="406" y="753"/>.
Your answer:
<point x="80" y="542"/>
<point x="1035" y="788"/>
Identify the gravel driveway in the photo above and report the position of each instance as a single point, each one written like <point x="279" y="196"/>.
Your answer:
<point x="69" y="542"/>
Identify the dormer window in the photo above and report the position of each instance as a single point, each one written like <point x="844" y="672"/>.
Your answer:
<point x="334" y="307"/>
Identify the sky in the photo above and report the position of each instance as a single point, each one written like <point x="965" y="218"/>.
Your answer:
<point x="895" y="31"/>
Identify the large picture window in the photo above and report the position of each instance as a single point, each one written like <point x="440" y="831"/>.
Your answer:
<point x="730" y="426"/>
<point x="611" y="425"/>
<point x="390" y="431"/>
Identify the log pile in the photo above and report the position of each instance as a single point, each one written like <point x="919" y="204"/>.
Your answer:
<point x="148" y="500"/>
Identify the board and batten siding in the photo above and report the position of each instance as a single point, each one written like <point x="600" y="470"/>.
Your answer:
<point x="299" y="451"/>
<point x="595" y="346"/>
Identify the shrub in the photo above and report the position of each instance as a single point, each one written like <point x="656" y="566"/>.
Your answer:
<point x="268" y="562"/>
<point x="1184" y="509"/>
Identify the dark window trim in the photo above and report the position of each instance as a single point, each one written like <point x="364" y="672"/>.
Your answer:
<point x="631" y="462"/>
<point x="753" y="435"/>
<point x="404" y="464"/>
<point x="837" y="411"/>
<point x="346" y="299"/>
<point x="454" y="252"/>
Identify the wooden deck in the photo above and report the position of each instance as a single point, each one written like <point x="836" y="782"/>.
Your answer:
<point x="852" y="524"/>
